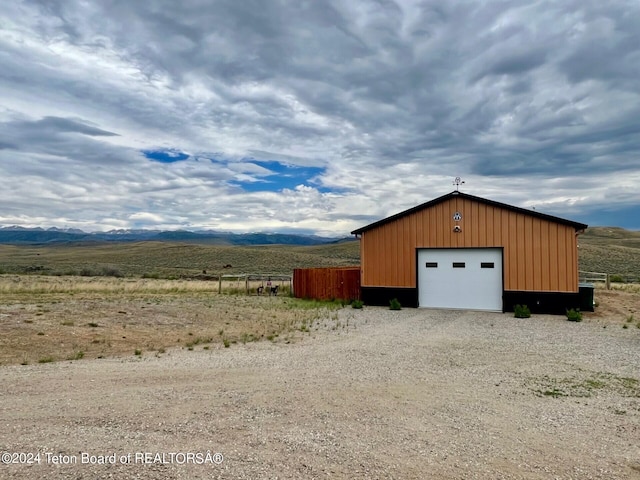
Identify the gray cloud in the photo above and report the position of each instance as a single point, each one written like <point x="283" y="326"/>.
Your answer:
<point x="391" y="98"/>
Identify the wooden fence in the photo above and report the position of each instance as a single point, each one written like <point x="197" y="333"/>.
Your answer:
<point x="595" y="277"/>
<point x="327" y="283"/>
<point x="250" y="281"/>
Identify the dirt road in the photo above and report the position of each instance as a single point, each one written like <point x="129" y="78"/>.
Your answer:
<point x="379" y="394"/>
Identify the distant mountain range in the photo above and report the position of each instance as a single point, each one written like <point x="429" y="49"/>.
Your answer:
<point x="15" y="235"/>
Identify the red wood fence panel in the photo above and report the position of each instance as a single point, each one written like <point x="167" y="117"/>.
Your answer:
<point x="327" y="283"/>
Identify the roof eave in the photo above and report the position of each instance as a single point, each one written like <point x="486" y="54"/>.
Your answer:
<point x="576" y="225"/>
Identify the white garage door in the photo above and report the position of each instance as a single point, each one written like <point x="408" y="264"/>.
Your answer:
<point x="460" y="278"/>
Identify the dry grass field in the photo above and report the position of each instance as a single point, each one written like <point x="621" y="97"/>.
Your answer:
<point x="286" y="388"/>
<point x="602" y="249"/>
<point x="146" y="300"/>
<point x="61" y="311"/>
<point x="610" y="250"/>
<point x="340" y="393"/>
<point x="172" y="259"/>
<point x="45" y="319"/>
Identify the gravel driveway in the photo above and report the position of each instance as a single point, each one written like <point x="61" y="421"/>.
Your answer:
<point x="375" y="394"/>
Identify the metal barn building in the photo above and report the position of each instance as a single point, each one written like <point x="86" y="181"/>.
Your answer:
<point x="460" y="251"/>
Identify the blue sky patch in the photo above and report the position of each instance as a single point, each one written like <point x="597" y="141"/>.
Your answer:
<point x="282" y="176"/>
<point x="165" y="156"/>
<point x="623" y="216"/>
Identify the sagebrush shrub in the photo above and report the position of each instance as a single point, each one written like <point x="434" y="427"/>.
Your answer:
<point x="521" y="311"/>
<point x="395" y="304"/>
<point x="574" y="315"/>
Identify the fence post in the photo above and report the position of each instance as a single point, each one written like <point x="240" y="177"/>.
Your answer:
<point x="219" y="284"/>
<point x="246" y="284"/>
<point x="608" y="282"/>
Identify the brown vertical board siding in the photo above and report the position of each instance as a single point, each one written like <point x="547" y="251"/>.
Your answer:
<point x="392" y="251"/>
<point x="375" y="263"/>
<point x="433" y="232"/>
<point x="415" y="225"/>
<point x="572" y="246"/>
<point x="386" y="263"/>
<point x="400" y="248"/>
<point x="504" y="240"/>
<point x="364" y="260"/>
<point x="545" y="255"/>
<point x="474" y="224"/>
<point x="529" y="253"/>
<point x="497" y="226"/>
<point x="562" y="259"/>
<point x="553" y="257"/>
<point x="525" y="253"/>
<point x="539" y="255"/>
<point x="451" y="240"/>
<point x="446" y="224"/>
<point x="408" y="274"/>
<point x="482" y="225"/>
<point x="571" y="254"/>
<point x="520" y="244"/>
<point x="394" y="246"/>
<point x="568" y="262"/>
<point x="389" y="261"/>
<point x="510" y="233"/>
<point x="327" y="283"/>
<point x="536" y="254"/>
<point x="435" y="223"/>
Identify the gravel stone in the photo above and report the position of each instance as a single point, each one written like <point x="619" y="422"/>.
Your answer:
<point x="373" y="394"/>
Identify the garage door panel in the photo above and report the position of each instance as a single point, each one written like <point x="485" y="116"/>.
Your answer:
<point x="460" y="278"/>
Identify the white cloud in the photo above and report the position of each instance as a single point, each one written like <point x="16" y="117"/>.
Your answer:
<point x="533" y="103"/>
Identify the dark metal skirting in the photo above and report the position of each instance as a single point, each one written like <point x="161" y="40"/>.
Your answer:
<point x="381" y="296"/>
<point x="556" y="303"/>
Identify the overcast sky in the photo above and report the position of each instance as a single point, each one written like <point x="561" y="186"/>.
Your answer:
<point x="314" y="116"/>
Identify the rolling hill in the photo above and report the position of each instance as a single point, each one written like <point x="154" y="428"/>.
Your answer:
<point x="610" y="250"/>
<point x="14" y="235"/>
<point x="601" y="249"/>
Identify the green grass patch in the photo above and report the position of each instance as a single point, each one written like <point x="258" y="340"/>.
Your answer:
<point x="306" y="304"/>
<point x="574" y="315"/>
<point x="77" y="356"/>
<point x="357" y="304"/>
<point x="580" y="386"/>
<point x="395" y="305"/>
<point x="198" y="341"/>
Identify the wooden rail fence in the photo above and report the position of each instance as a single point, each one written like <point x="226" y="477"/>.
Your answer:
<point x="595" y="277"/>
<point x="327" y="283"/>
<point x="250" y="281"/>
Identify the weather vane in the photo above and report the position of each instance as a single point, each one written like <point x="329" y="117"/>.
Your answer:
<point x="457" y="182"/>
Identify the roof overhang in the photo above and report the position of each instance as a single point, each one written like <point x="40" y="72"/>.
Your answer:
<point x="578" y="226"/>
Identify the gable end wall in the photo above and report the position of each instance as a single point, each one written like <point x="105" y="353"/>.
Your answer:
<point x="539" y="255"/>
